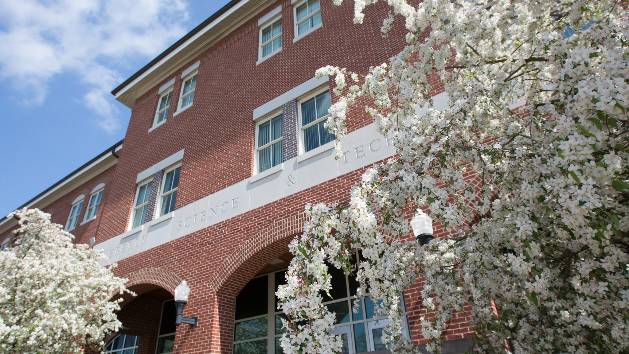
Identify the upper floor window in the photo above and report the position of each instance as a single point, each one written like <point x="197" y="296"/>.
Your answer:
<point x="75" y="211"/>
<point x="168" y="198"/>
<point x="270" y="144"/>
<point x="271" y="38"/>
<point x="140" y="206"/>
<point x="163" y="106"/>
<point x="5" y="244"/>
<point x="94" y="202"/>
<point x="313" y="114"/>
<point x="188" y="87"/>
<point x="123" y="344"/>
<point x="307" y="17"/>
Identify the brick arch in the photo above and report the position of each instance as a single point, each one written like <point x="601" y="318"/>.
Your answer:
<point x="150" y="278"/>
<point x="257" y="251"/>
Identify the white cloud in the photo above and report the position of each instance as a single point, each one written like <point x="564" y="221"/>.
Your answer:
<point x="40" y="39"/>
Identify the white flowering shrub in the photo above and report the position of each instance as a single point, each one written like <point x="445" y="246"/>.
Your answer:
<point x="526" y="169"/>
<point x="55" y="297"/>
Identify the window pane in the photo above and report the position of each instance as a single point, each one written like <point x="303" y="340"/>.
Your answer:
<point x="256" y="347"/>
<point x="264" y="133"/>
<point x="277" y="127"/>
<point x="377" y="339"/>
<point x="302" y="11"/>
<point x="315" y="20"/>
<point x="313" y="6"/>
<point x="341" y="309"/>
<point x="277" y="43"/>
<point x="176" y="172"/>
<point x="267" y="49"/>
<point x="303" y="27"/>
<point x="264" y="159"/>
<point x="278" y="154"/>
<point x="189" y="85"/>
<point x="323" y="104"/>
<point x="165" y="344"/>
<point x="357" y="315"/>
<point x="119" y="342"/>
<point x="169" y="202"/>
<point x="279" y="326"/>
<point x="266" y="34"/>
<point x="324" y="134"/>
<point x="138" y="216"/>
<point x="360" y="339"/>
<point x="252" y="299"/>
<point x="311" y="137"/>
<point x="308" y="112"/>
<point x="251" y="329"/>
<point x="345" y="347"/>
<point x="280" y="279"/>
<point x="277" y="28"/>
<point x="168" y="181"/>
<point x="339" y="289"/>
<point x="169" y="313"/>
<point x="278" y="347"/>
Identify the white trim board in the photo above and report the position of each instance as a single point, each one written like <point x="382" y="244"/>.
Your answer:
<point x="269" y="15"/>
<point x="165" y="163"/>
<point x="361" y="148"/>
<point x="288" y="96"/>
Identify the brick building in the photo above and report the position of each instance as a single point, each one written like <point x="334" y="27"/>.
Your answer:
<point x="224" y="147"/>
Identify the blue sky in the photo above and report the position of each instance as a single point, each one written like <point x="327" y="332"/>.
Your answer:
<point x="59" y="60"/>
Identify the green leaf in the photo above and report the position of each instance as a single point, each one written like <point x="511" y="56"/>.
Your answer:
<point x="303" y="251"/>
<point x="581" y="129"/>
<point x="620" y="185"/>
<point x="533" y="298"/>
<point x="574" y="176"/>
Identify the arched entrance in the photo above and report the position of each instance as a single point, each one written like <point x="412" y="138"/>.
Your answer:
<point x="148" y="319"/>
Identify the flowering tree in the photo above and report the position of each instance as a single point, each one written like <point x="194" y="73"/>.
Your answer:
<point x="525" y="169"/>
<point x="55" y="297"/>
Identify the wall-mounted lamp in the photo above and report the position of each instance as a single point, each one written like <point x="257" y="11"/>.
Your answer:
<point x="422" y="227"/>
<point x="182" y="291"/>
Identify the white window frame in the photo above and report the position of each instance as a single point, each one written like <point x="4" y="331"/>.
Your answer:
<point x="264" y="26"/>
<point x="162" y="95"/>
<point x="301" y="129"/>
<point x="185" y="79"/>
<point x="99" y="189"/>
<point x="268" y="118"/>
<point x="134" y="207"/>
<point x="297" y="36"/>
<point x="78" y="202"/>
<point x="162" y="194"/>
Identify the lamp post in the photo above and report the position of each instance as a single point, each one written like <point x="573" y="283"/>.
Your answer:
<point x="421" y="224"/>
<point x="182" y="291"/>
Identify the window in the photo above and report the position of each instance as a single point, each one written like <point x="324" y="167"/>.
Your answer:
<point x="167" y="328"/>
<point x="307" y="17"/>
<point x="271" y="38"/>
<point x="163" y="105"/>
<point x="75" y="211"/>
<point x="142" y="197"/>
<point x="258" y="320"/>
<point x="187" y="91"/>
<point x="92" y="205"/>
<point x="313" y="114"/>
<point x="5" y="244"/>
<point x="168" y="198"/>
<point x="123" y="344"/>
<point x="270" y="144"/>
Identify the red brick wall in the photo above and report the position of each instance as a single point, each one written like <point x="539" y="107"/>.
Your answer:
<point x="60" y="209"/>
<point x="217" y="132"/>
